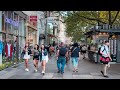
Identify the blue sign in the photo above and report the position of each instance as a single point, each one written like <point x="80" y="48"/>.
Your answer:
<point x="10" y="21"/>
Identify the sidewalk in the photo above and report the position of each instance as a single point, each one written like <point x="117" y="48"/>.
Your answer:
<point x="87" y="70"/>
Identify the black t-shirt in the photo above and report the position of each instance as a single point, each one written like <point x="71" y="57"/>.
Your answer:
<point x="75" y="53"/>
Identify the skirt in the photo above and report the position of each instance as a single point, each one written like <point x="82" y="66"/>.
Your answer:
<point x="26" y="56"/>
<point x="104" y="60"/>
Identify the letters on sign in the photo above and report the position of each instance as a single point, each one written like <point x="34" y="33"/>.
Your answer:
<point x="10" y="21"/>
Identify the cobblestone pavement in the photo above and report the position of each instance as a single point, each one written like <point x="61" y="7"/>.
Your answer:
<point x="87" y="70"/>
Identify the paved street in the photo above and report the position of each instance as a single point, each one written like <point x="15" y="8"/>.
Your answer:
<point x="87" y="70"/>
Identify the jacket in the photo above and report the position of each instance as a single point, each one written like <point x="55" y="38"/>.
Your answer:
<point x="1" y="47"/>
<point x="6" y="50"/>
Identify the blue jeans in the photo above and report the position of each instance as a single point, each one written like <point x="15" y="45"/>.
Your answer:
<point x="62" y="61"/>
<point x="75" y="61"/>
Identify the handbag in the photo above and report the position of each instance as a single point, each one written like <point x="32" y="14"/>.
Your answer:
<point x="105" y="59"/>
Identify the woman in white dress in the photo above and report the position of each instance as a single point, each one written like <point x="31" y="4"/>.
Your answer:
<point x="27" y="51"/>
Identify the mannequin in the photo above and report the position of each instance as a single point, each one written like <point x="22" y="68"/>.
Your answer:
<point x="8" y="50"/>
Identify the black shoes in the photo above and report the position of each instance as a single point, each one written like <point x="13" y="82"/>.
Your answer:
<point x="58" y="72"/>
<point x="104" y="75"/>
<point x="62" y="72"/>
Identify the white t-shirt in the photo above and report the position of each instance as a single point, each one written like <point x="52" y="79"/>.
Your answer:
<point x="8" y="49"/>
<point x="106" y="50"/>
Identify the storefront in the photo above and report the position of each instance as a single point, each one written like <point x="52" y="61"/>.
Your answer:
<point x="13" y="30"/>
<point x="99" y="35"/>
<point x="31" y="35"/>
<point x="51" y="39"/>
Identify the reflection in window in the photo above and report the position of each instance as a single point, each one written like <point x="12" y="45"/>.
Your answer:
<point x="15" y="27"/>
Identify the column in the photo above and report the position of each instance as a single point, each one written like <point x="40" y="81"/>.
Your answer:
<point x="0" y="34"/>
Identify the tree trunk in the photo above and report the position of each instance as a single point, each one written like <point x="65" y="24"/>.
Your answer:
<point x="109" y="16"/>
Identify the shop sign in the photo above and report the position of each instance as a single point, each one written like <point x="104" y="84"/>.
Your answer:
<point x="33" y="18"/>
<point x="10" y="21"/>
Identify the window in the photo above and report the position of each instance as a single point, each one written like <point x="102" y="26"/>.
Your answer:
<point x="16" y="28"/>
<point x="5" y="16"/>
<point x="20" y="26"/>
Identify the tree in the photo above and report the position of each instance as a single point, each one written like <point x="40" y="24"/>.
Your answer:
<point x="78" y="22"/>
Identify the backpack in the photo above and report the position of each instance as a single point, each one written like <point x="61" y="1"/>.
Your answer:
<point x="83" y="48"/>
<point x="63" y="51"/>
<point x="100" y="49"/>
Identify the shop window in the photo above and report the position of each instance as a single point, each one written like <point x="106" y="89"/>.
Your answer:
<point x="15" y="27"/>
<point x="3" y="22"/>
<point x="20" y="26"/>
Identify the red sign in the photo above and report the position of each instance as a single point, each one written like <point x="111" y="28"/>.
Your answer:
<point x="33" y="18"/>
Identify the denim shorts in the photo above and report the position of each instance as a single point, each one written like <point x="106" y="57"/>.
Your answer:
<point x="43" y="58"/>
<point x="75" y="61"/>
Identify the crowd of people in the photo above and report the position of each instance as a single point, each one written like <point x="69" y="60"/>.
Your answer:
<point x="63" y="53"/>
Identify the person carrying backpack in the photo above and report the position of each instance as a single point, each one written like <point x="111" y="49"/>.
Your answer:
<point x="61" y="61"/>
<point x="105" y="58"/>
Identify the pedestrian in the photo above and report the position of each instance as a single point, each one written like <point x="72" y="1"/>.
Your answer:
<point x="68" y="56"/>
<point x="83" y="50"/>
<point x="61" y="58"/>
<point x="105" y="58"/>
<point x="75" y="56"/>
<point x="44" y="56"/>
<point x="52" y="50"/>
<point x="36" y="55"/>
<point x="27" y="52"/>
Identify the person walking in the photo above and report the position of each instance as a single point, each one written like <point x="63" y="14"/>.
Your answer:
<point x="44" y="57"/>
<point x="75" y="56"/>
<point x="36" y="55"/>
<point x="61" y="58"/>
<point x="105" y="58"/>
<point x="27" y="52"/>
<point x="83" y="50"/>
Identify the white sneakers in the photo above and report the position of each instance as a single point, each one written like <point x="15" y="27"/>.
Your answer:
<point x="43" y="72"/>
<point x="27" y="69"/>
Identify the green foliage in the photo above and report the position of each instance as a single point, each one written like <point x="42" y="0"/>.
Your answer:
<point x="79" y="22"/>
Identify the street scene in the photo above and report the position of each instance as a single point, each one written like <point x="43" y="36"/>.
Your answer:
<point x="59" y="45"/>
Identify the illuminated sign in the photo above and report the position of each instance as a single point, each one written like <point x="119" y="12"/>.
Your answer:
<point x="10" y="21"/>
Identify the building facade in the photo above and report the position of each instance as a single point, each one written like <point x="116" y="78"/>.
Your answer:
<point x="13" y="29"/>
